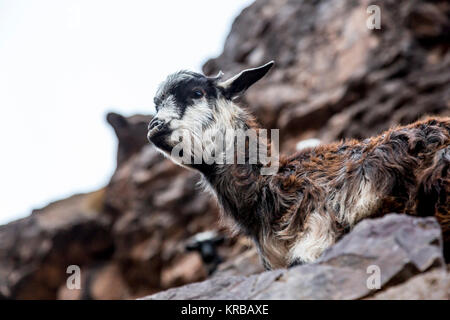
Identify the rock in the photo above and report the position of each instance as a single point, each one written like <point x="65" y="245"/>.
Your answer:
<point x="433" y="285"/>
<point x="245" y="264"/>
<point x="189" y="268"/>
<point x="100" y="282"/>
<point x="107" y="282"/>
<point x="36" y="251"/>
<point x="399" y="246"/>
<point x="231" y="288"/>
<point x="131" y="134"/>
<point x="334" y="78"/>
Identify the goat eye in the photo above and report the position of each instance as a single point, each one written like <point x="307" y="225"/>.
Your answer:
<point x="198" y="93"/>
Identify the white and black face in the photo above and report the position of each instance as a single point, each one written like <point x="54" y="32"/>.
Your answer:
<point x="184" y="101"/>
<point x="191" y="102"/>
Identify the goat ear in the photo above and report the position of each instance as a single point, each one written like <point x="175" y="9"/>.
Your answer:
<point x="237" y="85"/>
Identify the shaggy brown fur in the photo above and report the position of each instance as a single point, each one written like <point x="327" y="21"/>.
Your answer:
<point x="320" y="193"/>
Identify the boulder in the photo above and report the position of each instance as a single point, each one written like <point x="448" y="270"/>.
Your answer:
<point x="131" y="133"/>
<point x="395" y="247"/>
<point x="433" y="285"/>
<point x="36" y="251"/>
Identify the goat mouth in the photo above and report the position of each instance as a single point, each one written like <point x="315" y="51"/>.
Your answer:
<point x="156" y="133"/>
<point x="158" y="138"/>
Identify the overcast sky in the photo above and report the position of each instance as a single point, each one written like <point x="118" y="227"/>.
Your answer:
<point x="64" y="64"/>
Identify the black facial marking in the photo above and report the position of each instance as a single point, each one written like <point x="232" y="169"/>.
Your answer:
<point x="187" y="87"/>
<point x="187" y="91"/>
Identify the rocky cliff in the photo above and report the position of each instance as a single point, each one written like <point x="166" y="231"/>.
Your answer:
<point x="334" y="78"/>
<point x="394" y="257"/>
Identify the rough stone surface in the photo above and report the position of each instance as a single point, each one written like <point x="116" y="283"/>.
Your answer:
<point x="245" y="264"/>
<point x="433" y="285"/>
<point x="400" y="246"/>
<point x="36" y="251"/>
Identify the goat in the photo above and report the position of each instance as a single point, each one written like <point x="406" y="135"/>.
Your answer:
<point x="317" y="194"/>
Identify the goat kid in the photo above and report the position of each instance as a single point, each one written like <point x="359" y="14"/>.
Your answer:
<point x="317" y="194"/>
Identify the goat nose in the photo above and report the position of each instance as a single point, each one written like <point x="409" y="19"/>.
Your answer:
<point x="155" y="123"/>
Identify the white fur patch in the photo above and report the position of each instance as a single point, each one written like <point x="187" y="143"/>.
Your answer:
<point x="168" y="110"/>
<point x="317" y="237"/>
<point x="202" y="123"/>
<point x="354" y="206"/>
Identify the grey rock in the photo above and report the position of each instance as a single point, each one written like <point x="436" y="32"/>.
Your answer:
<point x="400" y="246"/>
<point x="433" y="285"/>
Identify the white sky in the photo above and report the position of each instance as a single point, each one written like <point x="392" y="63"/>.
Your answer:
<point x="64" y="64"/>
